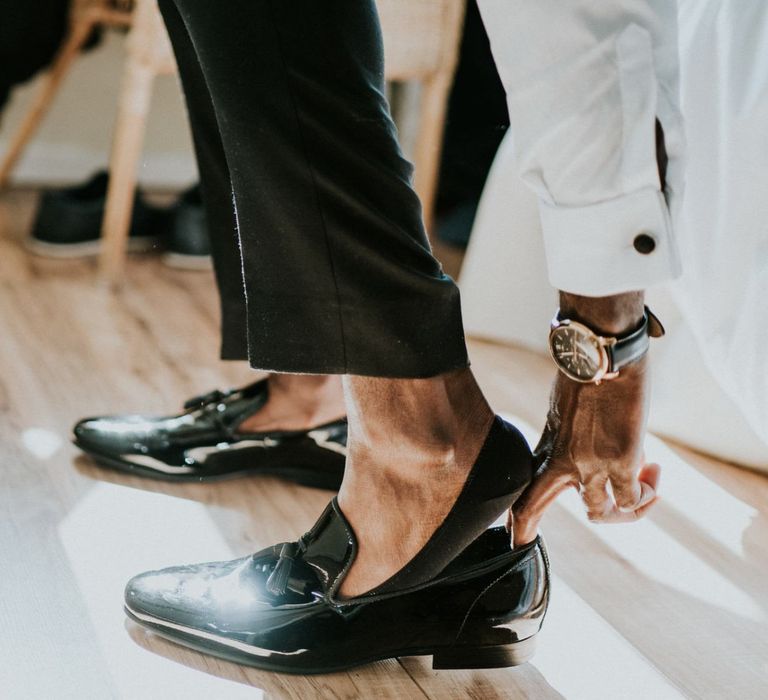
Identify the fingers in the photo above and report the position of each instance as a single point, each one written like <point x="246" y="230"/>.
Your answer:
<point x="627" y="490"/>
<point x="530" y="507"/>
<point x="647" y="494"/>
<point x="647" y="486"/>
<point x="601" y="506"/>
<point x="597" y="500"/>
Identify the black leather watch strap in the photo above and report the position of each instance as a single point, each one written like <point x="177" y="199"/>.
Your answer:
<point x="630" y="348"/>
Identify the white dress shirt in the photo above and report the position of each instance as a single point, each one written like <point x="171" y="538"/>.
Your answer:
<point x="586" y="81"/>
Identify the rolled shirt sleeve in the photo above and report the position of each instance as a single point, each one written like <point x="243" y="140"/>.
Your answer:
<point x="586" y="81"/>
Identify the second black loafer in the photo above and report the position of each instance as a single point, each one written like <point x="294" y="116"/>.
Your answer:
<point x="203" y="443"/>
<point x="277" y="609"/>
<point x="68" y="221"/>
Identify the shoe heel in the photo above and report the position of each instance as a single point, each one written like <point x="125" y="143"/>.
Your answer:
<point x="498" y="656"/>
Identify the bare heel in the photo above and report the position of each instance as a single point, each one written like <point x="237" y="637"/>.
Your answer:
<point x="499" y="656"/>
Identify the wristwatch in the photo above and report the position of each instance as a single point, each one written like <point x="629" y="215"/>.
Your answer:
<point x="584" y="356"/>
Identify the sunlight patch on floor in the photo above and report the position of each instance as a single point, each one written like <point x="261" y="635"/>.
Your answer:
<point x="713" y="510"/>
<point x="40" y="442"/>
<point x="140" y="531"/>
<point x="584" y="658"/>
<point x="660" y="557"/>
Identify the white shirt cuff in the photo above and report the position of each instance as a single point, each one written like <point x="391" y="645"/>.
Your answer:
<point x="616" y="246"/>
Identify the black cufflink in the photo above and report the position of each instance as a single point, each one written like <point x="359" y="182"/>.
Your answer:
<point x="644" y="244"/>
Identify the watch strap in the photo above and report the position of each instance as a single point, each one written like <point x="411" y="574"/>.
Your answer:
<point x="632" y="347"/>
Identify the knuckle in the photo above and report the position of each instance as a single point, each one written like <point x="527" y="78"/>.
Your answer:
<point x="593" y="489"/>
<point x="594" y="516"/>
<point x="591" y="500"/>
<point x="622" y="482"/>
<point x="594" y="503"/>
<point x="626" y="493"/>
<point x="626" y="501"/>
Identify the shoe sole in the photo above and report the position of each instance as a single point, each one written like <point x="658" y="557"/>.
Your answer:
<point x="443" y="658"/>
<point x="86" y="249"/>
<point x="304" y="476"/>
<point x="180" y="261"/>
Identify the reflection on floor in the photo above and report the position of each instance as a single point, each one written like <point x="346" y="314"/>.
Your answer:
<point x="675" y="606"/>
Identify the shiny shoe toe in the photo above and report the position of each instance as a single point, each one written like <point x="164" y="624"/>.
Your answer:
<point x="277" y="610"/>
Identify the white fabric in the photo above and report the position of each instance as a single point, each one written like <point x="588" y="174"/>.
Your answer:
<point x="724" y="221"/>
<point x="585" y="83"/>
<point x="590" y="249"/>
<point x="711" y="379"/>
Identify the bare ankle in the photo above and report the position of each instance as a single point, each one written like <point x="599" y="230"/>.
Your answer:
<point x="411" y="446"/>
<point x="430" y="421"/>
<point x="298" y="402"/>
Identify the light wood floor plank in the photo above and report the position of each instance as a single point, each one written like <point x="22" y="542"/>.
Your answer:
<point x="675" y="606"/>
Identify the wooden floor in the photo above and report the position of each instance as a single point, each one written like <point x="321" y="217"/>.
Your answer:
<point x="676" y="606"/>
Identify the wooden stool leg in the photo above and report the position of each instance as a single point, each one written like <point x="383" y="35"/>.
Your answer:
<point x="52" y="81"/>
<point x="126" y="151"/>
<point x="429" y="140"/>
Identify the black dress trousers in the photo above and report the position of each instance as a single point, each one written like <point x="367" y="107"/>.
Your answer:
<point x="320" y="253"/>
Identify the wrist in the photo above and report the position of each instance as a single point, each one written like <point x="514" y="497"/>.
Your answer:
<point x="609" y="316"/>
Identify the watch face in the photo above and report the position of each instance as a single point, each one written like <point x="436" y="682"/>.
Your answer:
<point x="577" y="351"/>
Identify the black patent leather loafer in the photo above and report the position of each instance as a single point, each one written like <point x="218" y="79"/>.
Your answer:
<point x="204" y="444"/>
<point x="277" y="610"/>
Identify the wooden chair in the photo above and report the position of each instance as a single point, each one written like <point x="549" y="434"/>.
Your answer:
<point x="421" y="42"/>
<point x="149" y="55"/>
<point x="85" y="17"/>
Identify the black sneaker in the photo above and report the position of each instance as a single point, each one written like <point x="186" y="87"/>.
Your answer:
<point x="203" y="444"/>
<point x="68" y="221"/>
<point x="189" y="245"/>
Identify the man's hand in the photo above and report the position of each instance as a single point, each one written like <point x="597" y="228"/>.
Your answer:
<point x="593" y="439"/>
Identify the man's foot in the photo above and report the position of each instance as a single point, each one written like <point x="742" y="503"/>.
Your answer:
<point x="298" y="402"/>
<point x="223" y="435"/>
<point x="277" y="610"/>
<point x="415" y="446"/>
